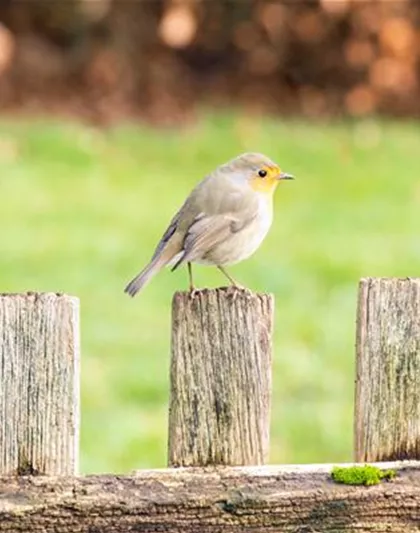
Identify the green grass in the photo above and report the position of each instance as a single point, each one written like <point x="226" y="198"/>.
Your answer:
<point x="81" y="210"/>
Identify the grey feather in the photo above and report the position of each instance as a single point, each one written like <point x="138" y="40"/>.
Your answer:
<point x="166" y="236"/>
<point x="207" y="232"/>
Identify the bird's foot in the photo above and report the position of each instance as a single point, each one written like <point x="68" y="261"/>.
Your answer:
<point x="234" y="290"/>
<point x="192" y="292"/>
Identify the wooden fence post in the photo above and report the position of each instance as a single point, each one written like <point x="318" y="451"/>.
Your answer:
<point x="39" y="384"/>
<point x="387" y="406"/>
<point x="220" y="378"/>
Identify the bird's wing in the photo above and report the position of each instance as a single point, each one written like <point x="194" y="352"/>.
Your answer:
<point x="208" y="231"/>
<point x="213" y="210"/>
<point x="166" y="236"/>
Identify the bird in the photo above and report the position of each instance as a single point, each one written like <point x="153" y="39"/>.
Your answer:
<point x="223" y="221"/>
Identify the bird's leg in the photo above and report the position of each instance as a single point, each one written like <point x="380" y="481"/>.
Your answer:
<point x="190" y="276"/>
<point x="229" y="277"/>
<point x="193" y="290"/>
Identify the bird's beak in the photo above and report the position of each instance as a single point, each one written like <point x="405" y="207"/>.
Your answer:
<point x="285" y="176"/>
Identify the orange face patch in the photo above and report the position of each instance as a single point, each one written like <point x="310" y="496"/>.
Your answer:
<point x="267" y="183"/>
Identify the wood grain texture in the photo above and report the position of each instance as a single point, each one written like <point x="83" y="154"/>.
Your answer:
<point x="228" y="500"/>
<point x="39" y="384"/>
<point x="220" y="378"/>
<point x="387" y="405"/>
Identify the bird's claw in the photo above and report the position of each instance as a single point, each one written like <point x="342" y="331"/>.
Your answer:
<point x="234" y="290"/>
<point x="192" y="293"/>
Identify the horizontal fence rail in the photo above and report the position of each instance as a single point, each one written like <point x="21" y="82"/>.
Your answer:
<point x="229" y="500"/>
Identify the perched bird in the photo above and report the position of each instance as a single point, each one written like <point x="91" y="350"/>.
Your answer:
<point x="223" y="221"/>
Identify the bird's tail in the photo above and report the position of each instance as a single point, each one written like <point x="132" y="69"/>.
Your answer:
<point x="144" y="276"/>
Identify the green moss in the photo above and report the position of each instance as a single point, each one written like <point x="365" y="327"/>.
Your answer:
<point x="361" y="475"/>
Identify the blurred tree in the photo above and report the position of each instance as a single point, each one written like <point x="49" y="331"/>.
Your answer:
<point x="108" y="58"/>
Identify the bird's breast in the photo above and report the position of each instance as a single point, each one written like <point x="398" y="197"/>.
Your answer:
<point x="242" y="244"/>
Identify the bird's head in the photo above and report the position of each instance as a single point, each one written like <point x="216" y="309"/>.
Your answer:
<point x="257" y="170"/>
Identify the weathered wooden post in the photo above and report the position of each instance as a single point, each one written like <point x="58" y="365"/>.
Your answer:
<point x="220" y="378"/>
<point x="39" y="384"/>
<point x="387" y="407"/>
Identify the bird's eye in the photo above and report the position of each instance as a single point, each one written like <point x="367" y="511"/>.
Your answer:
<point x="262" y="173"/>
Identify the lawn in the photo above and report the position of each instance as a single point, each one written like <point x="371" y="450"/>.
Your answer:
<point x="82" y="209"/>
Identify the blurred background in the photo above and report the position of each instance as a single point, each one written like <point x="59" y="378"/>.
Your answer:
<point x="111" y="111"/>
